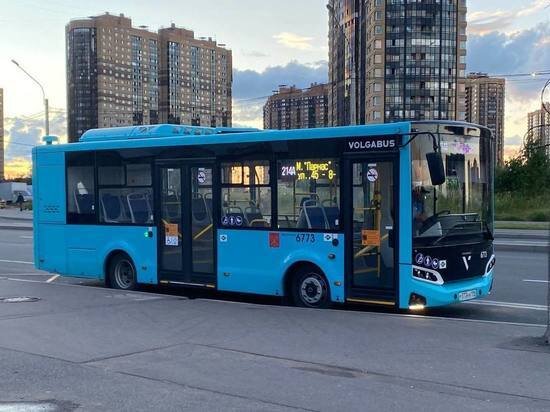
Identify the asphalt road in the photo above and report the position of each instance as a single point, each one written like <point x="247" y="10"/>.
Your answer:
<point x="85" y="347"/>
<point x="519" y="293"/>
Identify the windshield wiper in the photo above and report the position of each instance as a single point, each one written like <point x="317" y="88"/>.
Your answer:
<point x="461" y="225"/>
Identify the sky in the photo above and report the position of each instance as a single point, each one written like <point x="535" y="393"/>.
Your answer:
<point x="283" y="42"/>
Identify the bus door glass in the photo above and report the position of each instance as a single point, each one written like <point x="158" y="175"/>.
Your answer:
<point x="202" y="234"/>
<point x="171" y="242"/>
<point x="373" y="222"/>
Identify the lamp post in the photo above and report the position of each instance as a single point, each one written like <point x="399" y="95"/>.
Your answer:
<point x="46" y="110"/>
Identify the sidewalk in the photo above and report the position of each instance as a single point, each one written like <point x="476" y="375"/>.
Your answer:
<point x="259" y="357"/>
<point x="12" y="218"/>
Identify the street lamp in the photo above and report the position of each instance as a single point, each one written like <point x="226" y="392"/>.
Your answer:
<point x="46" y="112"/>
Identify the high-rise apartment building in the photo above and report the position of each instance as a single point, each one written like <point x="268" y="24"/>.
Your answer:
<point x="294" y="108"/>
<point x="485" y="106"/>
<point x="395" y="60"/>
<point x="116" y="77"/>
<point x="2" y="134"/>
<point x="195" y="79"/>
<point x="538" y="127"/>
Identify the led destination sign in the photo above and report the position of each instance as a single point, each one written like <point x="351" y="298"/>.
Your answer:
<point x="307" y="169"/>
<point x="370" y="144"/>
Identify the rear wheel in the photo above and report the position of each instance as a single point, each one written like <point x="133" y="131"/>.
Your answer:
<point x="310" y="288"/>
<point x="122" y="273"/>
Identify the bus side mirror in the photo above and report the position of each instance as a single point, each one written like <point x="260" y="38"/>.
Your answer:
<point x="435" y="166"/>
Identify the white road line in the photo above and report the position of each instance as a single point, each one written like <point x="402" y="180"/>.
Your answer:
<point x="26" y="280"/>
<point x="16" y="261"/>
<point x="512" y="305"/>
<point x="535" y="280"/>
<point x="26" y="237"/>
<point x="54" y="277"/>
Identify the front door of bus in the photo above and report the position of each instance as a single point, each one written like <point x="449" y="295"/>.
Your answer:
<point x="371" y="259"/>
<point x="186" y="231"/>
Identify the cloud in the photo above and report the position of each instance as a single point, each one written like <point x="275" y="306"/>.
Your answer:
<point x="294" y="41"/>
<point x="524" y="51"/>
<point x="483" y="22"/>
<point x="254" y="53"/>
<point x="21" y="133"/>
<point x="252" y="84"/>
<point x="251" y="88"/>
<point x="521" y="52"/>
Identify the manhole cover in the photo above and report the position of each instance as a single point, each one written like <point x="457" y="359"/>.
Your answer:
<point x="19" y="299"/>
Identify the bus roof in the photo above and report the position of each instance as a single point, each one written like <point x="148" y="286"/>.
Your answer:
<point x="155" y="131"/>
<point x="166" y="135"/>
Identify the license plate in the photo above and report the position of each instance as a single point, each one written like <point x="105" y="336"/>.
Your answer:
<point x="467" y="295"/>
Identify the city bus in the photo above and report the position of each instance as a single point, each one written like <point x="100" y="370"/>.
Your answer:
<point x="397" y="214"/>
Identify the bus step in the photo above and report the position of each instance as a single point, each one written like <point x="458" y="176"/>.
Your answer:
<point x="371" y="301"/>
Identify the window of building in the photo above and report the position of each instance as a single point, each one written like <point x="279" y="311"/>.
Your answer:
<point x="80" y="188"/>
<point x="125" y="194"/>
<point x="246" y="194"/>
<point x="308" y="192"/>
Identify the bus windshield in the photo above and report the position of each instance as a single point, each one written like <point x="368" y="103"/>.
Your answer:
<point x="461" y="209"/>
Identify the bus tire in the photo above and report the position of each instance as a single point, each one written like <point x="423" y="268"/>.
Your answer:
<point x="122" y="272"/>
<point x="310" y="288"/>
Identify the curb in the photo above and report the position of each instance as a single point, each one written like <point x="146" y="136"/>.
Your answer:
<point x="15" y="227"/>
<point x="510" y="247"/>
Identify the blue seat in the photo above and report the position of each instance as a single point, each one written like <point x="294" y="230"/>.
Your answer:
<point x="111" y="208"/>
<point x="84" y="202"/>
<point x="140" y="210"/>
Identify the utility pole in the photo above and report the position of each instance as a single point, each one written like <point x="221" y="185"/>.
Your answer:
<point x="45" y="100"/>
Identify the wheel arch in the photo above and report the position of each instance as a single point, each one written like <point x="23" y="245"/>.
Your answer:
<point x="108" y="258"/>
<point x="293" y="269"/>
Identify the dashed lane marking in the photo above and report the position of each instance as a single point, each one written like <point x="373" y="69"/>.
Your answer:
<point x="535" y="280"/>
<point x="512" y="305"/>
<point x="21" y="262"/>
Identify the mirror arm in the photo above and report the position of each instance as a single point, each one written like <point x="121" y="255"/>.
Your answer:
<point x="416" y="134"/>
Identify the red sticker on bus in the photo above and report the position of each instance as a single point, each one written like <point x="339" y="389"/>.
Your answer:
<point x="274" y="239"/>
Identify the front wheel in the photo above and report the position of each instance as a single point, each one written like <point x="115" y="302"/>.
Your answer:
<point x="310" y="289"/>
<point x="122" y="273"/>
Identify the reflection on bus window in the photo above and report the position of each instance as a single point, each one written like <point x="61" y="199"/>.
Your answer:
<point x="80" y="188"/>
<point x="308" y="194"/>
<point x="245" y="194"/>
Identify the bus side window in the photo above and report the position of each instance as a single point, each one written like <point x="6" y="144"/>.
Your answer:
<point x="81" y="185"/>
<point x="124" y="189"/>
<point x="308" y="194"/>
<point x="245" y="194"/>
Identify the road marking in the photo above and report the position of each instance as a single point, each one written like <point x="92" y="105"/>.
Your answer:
<point x="512" y="305"/>
<point x="26" y="237"/>
<point x="26" y="280"/>
<point x="54" y="277"/>
<point x="406" y="315"/>
<point x="520" y="243"/>
<point x="535" y="280"/>
<point x="16" y="261"/>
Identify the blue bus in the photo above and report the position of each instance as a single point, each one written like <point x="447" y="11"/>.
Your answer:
<point x="397" y="214"/>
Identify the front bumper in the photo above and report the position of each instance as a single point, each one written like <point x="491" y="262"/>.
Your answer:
<point x="448" y="293"/>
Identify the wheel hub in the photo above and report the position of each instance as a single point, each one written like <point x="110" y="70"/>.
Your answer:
<point x="311" y="290"/>
<point x="124" y="274"/>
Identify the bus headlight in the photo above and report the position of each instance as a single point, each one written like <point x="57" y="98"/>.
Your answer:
<point x="490" y="264"/>
<point x="427" y="275"/>
<point x="417" y="302"/>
